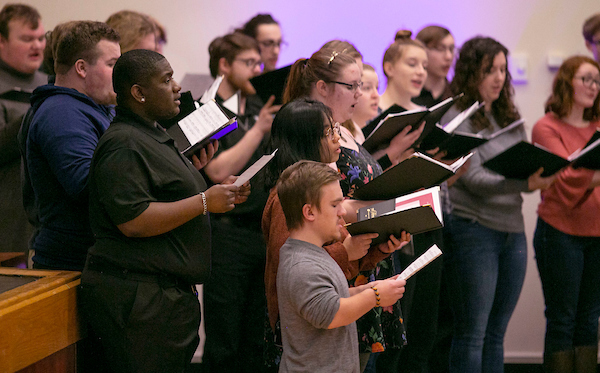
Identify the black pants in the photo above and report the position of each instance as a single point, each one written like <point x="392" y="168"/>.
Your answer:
<point x="143" y="326"/>
<point x="420" y="311"/>
<point x="234" y="300"/>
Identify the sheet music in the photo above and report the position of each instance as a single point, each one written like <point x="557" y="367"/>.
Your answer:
<point x="253" y="170"/>
<point x="202" y="122"/>
<point x="426" y="258"/>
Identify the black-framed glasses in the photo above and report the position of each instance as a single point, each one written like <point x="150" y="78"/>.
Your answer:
<point x="332" y="130"/>
<point x="250" y="62"/>
<point x="270" y="44"/>
<point x="351" y="87"/>
<point x="588" y="81"/>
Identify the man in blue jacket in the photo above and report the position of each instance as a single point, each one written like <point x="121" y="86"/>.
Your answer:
<point x="67" y="120"/>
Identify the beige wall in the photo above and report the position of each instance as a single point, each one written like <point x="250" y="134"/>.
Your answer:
<point x="531" y="27"/>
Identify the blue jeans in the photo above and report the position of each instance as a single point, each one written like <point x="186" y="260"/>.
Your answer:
<point x="569" y="268"/>
<point x="486" y="269"/>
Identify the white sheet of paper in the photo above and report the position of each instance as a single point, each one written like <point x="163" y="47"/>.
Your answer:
<point x="202" y="122"/>
<point x="253" y="170"/>
<point x="426" y="258"/>
<point x="211" y="92"/>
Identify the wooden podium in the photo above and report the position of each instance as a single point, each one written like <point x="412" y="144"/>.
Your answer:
<point x="39" y="324"/>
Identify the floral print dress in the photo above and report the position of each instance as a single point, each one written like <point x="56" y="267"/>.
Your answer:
<point x="382" y="327"/>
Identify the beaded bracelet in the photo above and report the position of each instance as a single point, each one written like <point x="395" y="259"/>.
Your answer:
<point x="204" y="204"/>
<point x="377" y="297"/>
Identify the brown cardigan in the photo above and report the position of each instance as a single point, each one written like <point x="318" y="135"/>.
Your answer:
<point x="275" y="230"/>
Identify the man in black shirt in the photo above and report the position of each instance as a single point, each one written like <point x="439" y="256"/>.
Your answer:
<point x="234" y="296"/>
<point x="151" y="227"/>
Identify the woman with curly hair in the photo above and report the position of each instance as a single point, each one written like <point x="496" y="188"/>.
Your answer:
<point x="567" y="237"/>
<point x="486" y="255"/>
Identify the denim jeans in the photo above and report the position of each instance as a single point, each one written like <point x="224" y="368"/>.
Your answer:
<point x="569" y="268"/>
<point x="485" y="269"/>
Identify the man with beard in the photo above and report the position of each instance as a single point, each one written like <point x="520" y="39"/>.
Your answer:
<point x="22" y="42"/>
<point x="234" y="296"/>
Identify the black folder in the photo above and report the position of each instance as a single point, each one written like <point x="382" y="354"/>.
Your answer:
<point x="591" y="158"/>
<point x="523" y="159"/>
<point x="454" y="144"/>
<point x="382" y="134"/>
<point x="416" y="172"/>
<point x="271" y="84"/>
<point x="394" y="109"/>
<point x="414" y="221"/>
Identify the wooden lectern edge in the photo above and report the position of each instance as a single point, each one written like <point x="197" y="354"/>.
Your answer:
<point x="49" y="280"/>
<point x="40" y="343"/>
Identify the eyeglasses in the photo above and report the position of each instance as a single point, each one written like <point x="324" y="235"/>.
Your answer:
<point x="333" y="130"/>
<point x="250" y="62"/>
<point x="351" y="87"/>
<point x="589" y="82"/>
<point x="270" y="44"/>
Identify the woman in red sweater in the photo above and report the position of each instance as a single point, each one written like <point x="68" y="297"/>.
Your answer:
<point x="567" y="236"/>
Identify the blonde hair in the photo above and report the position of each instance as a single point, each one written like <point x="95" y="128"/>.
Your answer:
<point x="132" y="27"/>
<point x="401" y="41"/>
<point x="325" y="64"/>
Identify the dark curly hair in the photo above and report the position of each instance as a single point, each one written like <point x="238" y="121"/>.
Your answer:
<point x="560" y="101"/>
<point x="475" y="60"/>
<point x="250" y="28"/>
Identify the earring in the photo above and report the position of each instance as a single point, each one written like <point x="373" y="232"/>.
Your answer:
<point x="143" y="99"/>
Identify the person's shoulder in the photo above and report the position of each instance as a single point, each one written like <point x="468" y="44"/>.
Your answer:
<point x="299" y="252"/>
<point x="69" y="113"/>
<point x="39" y="78"/>
<point x="120" y="133"/>
<point x="548" y="121"/>
<point x="62" y="99"/>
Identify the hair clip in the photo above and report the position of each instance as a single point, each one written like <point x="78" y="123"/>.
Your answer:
<point x="333" y="55"/>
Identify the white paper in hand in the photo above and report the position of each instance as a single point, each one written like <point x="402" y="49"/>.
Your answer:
<point x="211" y="92"/>
<point x="253" y="170"/>
<point x="426" y="258"/>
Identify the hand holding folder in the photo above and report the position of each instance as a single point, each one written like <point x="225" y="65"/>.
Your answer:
<point x="394" y="120"/>
<point x="523" y="159"/>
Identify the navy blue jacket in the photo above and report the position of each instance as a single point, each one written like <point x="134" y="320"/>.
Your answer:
<point x="63" y="134"/>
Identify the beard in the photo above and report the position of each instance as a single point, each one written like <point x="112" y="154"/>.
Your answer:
<point x="243" y="85"/>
